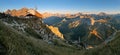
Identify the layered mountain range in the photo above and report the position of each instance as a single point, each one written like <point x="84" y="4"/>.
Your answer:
<point x="26" y="32"/>
<point x="92" y="29"/>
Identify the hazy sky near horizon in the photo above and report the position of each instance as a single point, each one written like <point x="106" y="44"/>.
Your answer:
<point x="63" y="5"/>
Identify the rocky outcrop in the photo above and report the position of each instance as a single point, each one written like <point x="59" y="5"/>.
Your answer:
<point x="34" y="13"/>
<point x="18" y="13"/>
<point x="56" y="31"/>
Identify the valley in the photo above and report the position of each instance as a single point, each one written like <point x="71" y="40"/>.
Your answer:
<point x="32" y="33"/>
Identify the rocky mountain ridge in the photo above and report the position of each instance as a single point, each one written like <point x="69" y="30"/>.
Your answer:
<point x="33" y="26"/>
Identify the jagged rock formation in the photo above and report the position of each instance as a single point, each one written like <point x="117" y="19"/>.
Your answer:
<point x="35" y="13"/>
<point x="18" y="13"/>
<point x="56" y="31"/>
<point x="23" y="12"/>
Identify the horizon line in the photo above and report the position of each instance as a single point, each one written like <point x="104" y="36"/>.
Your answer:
<point x="72" y="11"/>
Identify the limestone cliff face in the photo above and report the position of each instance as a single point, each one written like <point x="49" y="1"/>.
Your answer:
<point x="18" y="13"/>
<point x="56" y="31"/>
<point x="35" y="13"/>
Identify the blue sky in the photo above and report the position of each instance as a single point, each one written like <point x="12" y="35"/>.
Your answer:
<point x="63" y="5"/>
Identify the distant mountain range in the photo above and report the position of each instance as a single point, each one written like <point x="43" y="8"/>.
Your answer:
<point x="23" y="12"/>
